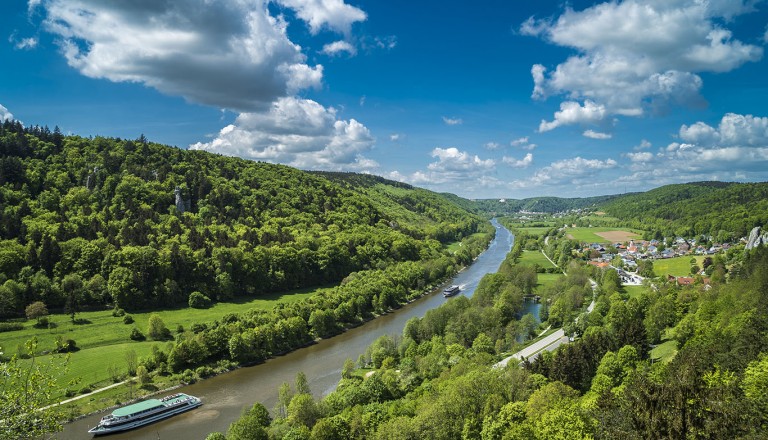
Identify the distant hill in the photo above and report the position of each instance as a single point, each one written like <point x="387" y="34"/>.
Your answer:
<point x="416" y="210"/>
<point x="539" y="204"/>
<point x="720" y="209"/>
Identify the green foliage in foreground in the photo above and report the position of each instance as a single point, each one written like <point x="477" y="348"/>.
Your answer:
<point x="435" y="384"/>
<point x="25" y="387"/>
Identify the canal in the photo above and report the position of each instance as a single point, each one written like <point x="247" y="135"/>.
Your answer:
<point x="225" y="396"/>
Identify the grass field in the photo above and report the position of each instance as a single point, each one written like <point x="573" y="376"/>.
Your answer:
<point x="634" y="291"/>
<point x="664" y="352"/>
<point x="590" y="235"/>
<point x="536" y="231"/>
<point x="530" y="258"/>
<point x="678" y="266"/>
<point x="105" y="341"/>
<point x="546" y="279"/>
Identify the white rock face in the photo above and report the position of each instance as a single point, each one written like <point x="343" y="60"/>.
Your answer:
<point x="755" y="238"/>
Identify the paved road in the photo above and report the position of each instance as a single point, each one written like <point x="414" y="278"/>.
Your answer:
<point x="548" y="343"/>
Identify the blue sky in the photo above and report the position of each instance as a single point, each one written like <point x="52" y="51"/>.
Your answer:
<point x="486" y="99"/>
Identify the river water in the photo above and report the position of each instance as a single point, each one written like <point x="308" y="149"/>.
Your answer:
<point x="225" y="396"/>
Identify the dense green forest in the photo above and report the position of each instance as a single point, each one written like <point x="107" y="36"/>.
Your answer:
<point x="438" y="380"/>
<point x="88" y="222"/>
<point x="725" y="211"/>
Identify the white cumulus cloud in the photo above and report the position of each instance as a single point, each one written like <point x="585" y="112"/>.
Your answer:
<point x="232" y="55"/>
<point x="521" y="163"/>
<point x="333" y="14"/>
<point x="5" y="114"/>
<point x="338" y="47"/>
<point x="735" y="148"/>
<point x="296" y="132"/>
<point x="596" y="134"/>
<point x="636" y="56"/>
<point x="452" y="121"/>
<point x="574" y="172"/>
<point x="574" y="113"/>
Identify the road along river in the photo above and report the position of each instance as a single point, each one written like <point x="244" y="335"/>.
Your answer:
<point x="225" y="396"/>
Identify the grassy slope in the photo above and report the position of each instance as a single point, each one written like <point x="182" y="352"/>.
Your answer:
<point x="105" y="342"/>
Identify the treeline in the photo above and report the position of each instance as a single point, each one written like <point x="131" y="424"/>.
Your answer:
<point x="724" y="211"/>
<point x="539" y="204"/>
<point x="136" y="225"/>
<point x="432" y="383"/>
<point x="257" y="335"/>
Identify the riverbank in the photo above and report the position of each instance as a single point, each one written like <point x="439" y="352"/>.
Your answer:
<point x="226" y="395"/>
<point x="127" y="391"/>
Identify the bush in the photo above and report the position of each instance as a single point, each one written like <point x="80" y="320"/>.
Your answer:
<point x="127" y="319"/>
<point x="137" y="335"/>
<point x="157" y="329"/>
<point x="42" y="322"/>
<point x="65" y="345"/>
<point x="117" y="312"/>
<point x="10" y="326"/>
<point x="199" y="301"/>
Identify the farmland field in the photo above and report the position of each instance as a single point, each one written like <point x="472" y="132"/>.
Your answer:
<point x="603" y="235"/>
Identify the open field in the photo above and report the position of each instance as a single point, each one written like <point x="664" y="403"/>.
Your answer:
<point x="678" y="266"/>
<point x="664" y="352"/>
<point x="546" y="279"/>
<point x="603" y="235"/>
<point x="634" y="291"/>
<point x="536" y="231"/>
<point x="105" y="341"/>
<point x="530" y="258"/>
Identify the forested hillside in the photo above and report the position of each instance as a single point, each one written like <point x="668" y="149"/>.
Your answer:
<point x="723" y="210"/>
<point x="93" y="221"/>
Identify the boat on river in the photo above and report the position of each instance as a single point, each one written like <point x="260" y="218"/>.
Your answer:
<point x="451" y="291"/>
<point x="145" y="412"/>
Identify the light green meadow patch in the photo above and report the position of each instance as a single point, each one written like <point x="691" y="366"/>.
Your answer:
<point x="678" y="266"/>
<point x="535" y="257"/>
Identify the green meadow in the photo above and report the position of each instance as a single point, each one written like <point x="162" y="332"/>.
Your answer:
<point x="531" y="258"/>
<point x="678" y="266"/>
<point x="104" y="340"/>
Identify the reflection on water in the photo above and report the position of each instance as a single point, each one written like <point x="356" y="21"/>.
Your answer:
<point x="226" y="396"/>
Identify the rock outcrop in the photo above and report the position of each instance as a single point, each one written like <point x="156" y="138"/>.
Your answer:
<point x="755" y="238"/>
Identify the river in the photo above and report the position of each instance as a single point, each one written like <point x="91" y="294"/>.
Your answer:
<point x="225" y="396"/>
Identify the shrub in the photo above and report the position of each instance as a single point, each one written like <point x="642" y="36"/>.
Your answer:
<point x="199" y="301"/>
<point x="137" y="335"/>
<point x="117" y="312"/>
<point x="10" y="326"/>
<point x="157" y="329"/>
<point x="65" y="345"/>
<point x="127" y="319"/>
